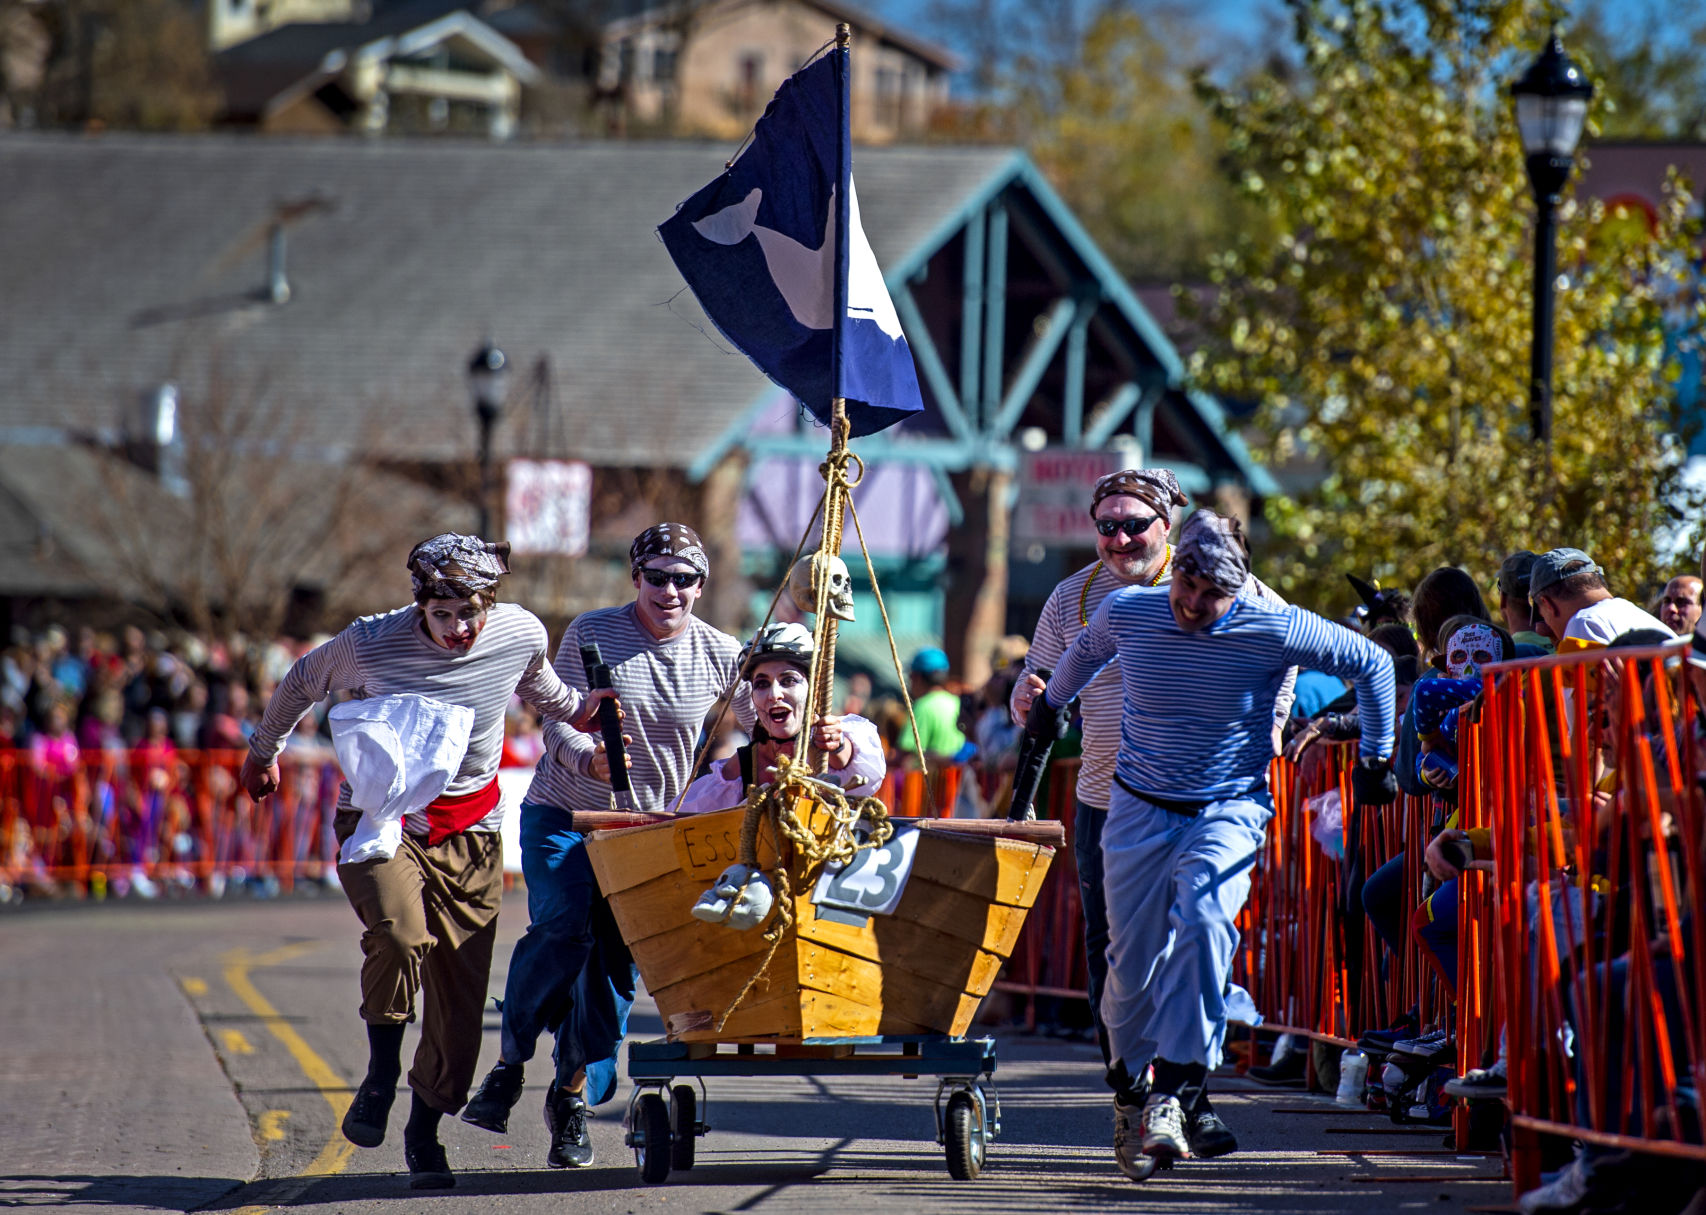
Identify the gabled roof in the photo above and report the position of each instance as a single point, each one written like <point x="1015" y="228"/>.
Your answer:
<point x="290" y="59"/>
<point x="133" y="260"/>
<point x="868" y="23"/>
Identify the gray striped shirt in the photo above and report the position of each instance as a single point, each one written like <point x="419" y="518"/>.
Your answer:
<point x="391" y="654"/>
<point x="666" y="689"/>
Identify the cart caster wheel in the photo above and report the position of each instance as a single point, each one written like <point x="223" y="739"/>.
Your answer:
<point x="651" y="1138"/>
<point x="684" y="1109"/>
<point x="963" y="1137"/>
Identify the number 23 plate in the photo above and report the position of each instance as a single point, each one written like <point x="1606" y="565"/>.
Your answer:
<point x="873" y="881"/>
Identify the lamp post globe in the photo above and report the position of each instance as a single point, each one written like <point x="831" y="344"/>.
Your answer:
<point x="1551" y="109"/>
<point x="488" y="382"/>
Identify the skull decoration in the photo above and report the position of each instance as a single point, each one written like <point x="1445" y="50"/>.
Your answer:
<point x="741" y="898"/>
<point x="801" y="586"/>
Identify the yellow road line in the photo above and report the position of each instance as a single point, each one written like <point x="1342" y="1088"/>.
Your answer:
<point x="335" y="1156"/>
<point x="235" y="1043"/>
<point x="194" y="987"/>
<point x="272" y="1124"/>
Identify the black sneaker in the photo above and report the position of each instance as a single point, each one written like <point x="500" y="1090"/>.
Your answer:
<point x="1209" y="1136"/>
<point x="428" y="1167"/>
<point x="571" y="1141"/>
<point x="364" y="1121"/>
<point x="1288" y="1071"/>
<point x="491" y="1103"/>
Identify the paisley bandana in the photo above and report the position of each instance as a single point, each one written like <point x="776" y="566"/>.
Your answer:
<point x="450" y="566"/>
<point x="1157" y="488"/>
<point x="1463" y="654"/>
<point x="1213" y="547"/>
<point x="669" y="540"/>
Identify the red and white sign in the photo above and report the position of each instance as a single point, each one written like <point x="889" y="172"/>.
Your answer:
<point x="1054" y="493"/>
<point x="548" y="506"/>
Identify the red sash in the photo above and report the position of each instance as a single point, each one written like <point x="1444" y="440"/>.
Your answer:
<point x="448" y="815"/>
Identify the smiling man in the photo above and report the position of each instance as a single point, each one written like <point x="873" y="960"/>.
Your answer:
<point x="1202" y="665"/>
<point x="570" y="973"/>
<point x="430" y="909"/>
<point x="1132" y="512"/>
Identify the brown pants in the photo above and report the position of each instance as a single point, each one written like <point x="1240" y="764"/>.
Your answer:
<point x="431" y="915"/>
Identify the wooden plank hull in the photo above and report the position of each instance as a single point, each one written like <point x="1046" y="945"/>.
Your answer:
<point x="923" y="969"/>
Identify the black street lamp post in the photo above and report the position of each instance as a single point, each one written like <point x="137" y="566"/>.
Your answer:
<point x="488" y="377"/>
<point x="1551" y="107"/>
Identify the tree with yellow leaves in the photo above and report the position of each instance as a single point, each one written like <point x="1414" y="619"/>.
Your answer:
<point x="1382" y="319"/>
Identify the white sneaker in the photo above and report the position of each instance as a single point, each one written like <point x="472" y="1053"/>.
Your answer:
<point x="1564" y="1193"/>
<point x="1128" y="1142"/>
<point x="1164" y="1128"/>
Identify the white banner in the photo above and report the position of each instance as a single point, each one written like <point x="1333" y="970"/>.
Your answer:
<point x="548" y="506"/>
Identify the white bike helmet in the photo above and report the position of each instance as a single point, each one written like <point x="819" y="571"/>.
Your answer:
<point x="788" y="641"/>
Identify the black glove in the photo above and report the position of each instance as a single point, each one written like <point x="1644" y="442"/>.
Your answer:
<point x="1046" y="722"/>
<point x="1373" y="783"/>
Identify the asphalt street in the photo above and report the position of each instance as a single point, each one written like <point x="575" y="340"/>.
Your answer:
<point x="200" y="1057"/>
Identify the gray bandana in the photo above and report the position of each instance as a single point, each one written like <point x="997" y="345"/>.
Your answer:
<point x="669" y="540"/>
<point x="1156" y="488"/>
<point x="1213" y="547"/>
<point x="450" y="566"/>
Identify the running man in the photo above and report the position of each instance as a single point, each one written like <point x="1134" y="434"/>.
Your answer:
<point x="570" y="974"/>
<point x="430" y="910"/>
<point x="1133" y="512"/>
<point x="1202" y="664"/>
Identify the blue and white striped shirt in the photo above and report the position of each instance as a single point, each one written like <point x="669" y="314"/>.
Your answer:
<point x="1197" y="722"/>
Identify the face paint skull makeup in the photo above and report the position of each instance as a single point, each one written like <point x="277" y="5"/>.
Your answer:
<point x="1472" y="647"/>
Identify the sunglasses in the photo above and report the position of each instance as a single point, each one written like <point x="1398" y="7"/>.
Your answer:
<point x="680" y="581"/>
<point x="1131" y="527"/>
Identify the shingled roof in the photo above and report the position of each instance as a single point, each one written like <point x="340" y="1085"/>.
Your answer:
<point x="137" y="260"/>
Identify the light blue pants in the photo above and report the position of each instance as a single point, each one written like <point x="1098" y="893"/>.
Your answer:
<point x="1174" y="886"/>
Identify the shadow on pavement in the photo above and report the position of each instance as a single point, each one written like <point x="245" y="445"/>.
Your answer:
<point x="173" y="1193"/>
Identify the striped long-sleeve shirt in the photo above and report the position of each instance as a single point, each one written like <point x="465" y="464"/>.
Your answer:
<point x="1065" y="615"/>
<point x="666" y="689"/>
<point x="391" y="654"/>
<point x="1197" y="709"/>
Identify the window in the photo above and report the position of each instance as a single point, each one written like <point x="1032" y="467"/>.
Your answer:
<point x="751" y="73"/>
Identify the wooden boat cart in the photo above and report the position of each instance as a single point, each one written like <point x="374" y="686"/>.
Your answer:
<point x="665" y="1118"/>
<point x="855" y="989"/>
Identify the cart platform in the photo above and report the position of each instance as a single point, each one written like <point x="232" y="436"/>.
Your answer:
<point x="665" y="1118"/>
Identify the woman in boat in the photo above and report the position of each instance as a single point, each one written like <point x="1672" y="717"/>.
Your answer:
<point x="777" y="664"/>
<point x="430" y="907"/>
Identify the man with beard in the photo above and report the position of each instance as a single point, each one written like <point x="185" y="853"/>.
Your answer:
<point x="1201" y="666"/>
<point x="570" y="973"/>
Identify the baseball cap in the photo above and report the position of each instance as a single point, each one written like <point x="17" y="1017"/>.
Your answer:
<point x="1514" y="572"/>
<point x="930" y="661"/>
<point x="1552" y="567"/>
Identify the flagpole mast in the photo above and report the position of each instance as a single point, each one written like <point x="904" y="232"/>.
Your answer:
<point x="834" y="469"/>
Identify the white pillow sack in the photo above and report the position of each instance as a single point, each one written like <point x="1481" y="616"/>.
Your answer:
<point x="398" y="754"/>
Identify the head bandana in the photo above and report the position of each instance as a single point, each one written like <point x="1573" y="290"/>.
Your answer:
<point x="1156" y="488"/>
<point x="1213" y="547"/>
<point x="450" y="566"/>
<point x="1460" y="650"/>
<point x="669" y="540"/>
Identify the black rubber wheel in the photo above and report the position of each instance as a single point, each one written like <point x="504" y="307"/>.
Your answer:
<point x="684" y="1100"/>
<point x="652" y="1138"/>
<point x="963" y="1133"/>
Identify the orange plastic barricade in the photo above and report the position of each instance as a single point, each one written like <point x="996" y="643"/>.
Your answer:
<point x="1048" y="961"/>
<point x="1588" y="780"/>
<point x="1312" y="964"/>
<point x="157" y="822"/>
